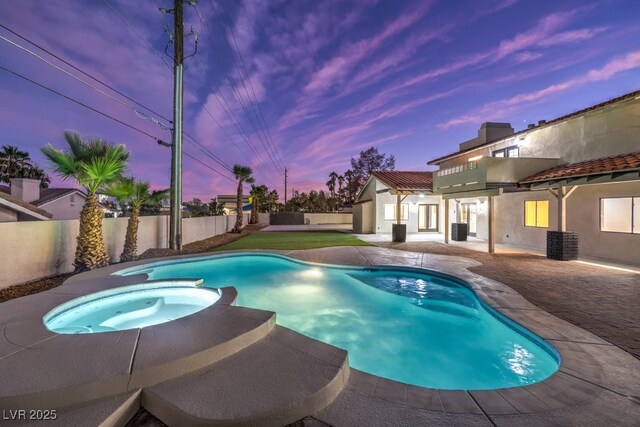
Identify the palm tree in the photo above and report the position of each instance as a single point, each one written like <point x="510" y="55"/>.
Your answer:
<point x="242" y="174"/>
<point x="257" y="193"/>
<point x="136" y="193"/>
<point x="93" y="164"/>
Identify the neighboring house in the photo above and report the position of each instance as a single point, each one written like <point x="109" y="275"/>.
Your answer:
<point x="376" y="204"/>
<point x="13" y="209"/>
<point x="561" y="185"/>
<point x="229" y="201"/>
<point x="60" y="203"/>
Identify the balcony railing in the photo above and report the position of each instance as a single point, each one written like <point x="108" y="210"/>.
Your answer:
<point x="488" y="172"/>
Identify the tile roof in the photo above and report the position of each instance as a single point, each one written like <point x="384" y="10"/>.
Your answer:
<point x="50" y="194"/>
<point x="406" y="180"/>
<point x="28" y="206"/>
<point x="620" y="163"/>
<point x="630" y="95"/>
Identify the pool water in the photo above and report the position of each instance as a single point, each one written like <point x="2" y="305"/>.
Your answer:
<point x="403" y="324"/>
<point x="129" y="307"/>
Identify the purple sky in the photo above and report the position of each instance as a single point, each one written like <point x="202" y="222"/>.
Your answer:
<point x="332" y="78"/>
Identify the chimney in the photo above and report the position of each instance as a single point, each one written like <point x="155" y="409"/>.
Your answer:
<point x="25" y="189"/>
<point x="489" y="131"/>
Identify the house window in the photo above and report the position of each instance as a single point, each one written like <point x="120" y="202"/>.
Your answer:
<point x="72" y="198"/>
<point x="536" y="213"/>
<point x="513" y="151"/>
<point x="620" y="215"/>
<point x="390" y="211"/>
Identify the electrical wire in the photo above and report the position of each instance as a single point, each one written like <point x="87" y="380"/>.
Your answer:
<point x="238" y="96"/>
<point x="95" y="110"/>
<point x="246" y="73"/>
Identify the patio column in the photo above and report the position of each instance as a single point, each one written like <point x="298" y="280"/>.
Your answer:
<point x="491" y="216"/>
<point x="446" y="221"/>
<point x="562" y="196"/>
<point x="398" y="209"/>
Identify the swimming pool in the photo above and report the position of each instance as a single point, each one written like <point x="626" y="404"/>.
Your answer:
<point x="130" y="307"/>
<point x="408" y="325"/>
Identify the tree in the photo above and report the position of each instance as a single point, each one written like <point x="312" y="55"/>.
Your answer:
<point x="93" y="163"/>
<point x="197" y="208"/>
<point x="257" y="193"/>
<point x="269" y="203"/>
<point x="243" y="175"/>
<point x="15" y="163"/>
<point x="369" y="161"/>
<point x="135" y="193"/>
<point x="215" y="208"/>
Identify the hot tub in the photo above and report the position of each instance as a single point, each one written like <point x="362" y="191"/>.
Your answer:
<point x="131" y="307"/>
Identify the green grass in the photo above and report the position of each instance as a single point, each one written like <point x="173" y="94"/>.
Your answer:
<point x="293" y="240"/>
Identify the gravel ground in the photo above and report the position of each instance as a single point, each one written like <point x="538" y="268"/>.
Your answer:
<point x="200" y="246"/>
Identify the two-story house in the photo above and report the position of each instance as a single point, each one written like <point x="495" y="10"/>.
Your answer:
<point x="567" y="185"/>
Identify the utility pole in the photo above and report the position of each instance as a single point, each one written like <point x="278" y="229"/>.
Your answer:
<point x="285" y="189"/>
<point x="175" y="222"/>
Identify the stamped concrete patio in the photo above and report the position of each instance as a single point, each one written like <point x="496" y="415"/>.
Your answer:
<point x="233" y="366"/>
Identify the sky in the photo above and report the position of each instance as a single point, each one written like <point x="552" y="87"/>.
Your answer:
<point x="307" y="84"/>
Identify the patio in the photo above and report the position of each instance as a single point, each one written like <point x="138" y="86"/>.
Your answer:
<point x="597" y="383"/>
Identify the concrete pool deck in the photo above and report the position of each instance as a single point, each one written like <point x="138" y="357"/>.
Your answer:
<point x="231" y="365"/>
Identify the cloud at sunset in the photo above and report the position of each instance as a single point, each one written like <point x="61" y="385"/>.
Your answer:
<point x="313" y="83"/>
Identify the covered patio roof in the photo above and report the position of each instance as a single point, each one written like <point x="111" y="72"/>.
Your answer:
<point x="406" y="181"/>
<point x="625" y="167"/>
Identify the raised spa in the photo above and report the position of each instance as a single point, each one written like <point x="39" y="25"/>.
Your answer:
<point x="130" y="307"/>
<point x="410" y="325"/>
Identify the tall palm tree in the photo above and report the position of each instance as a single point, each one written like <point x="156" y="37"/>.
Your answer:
<point x="13" y="162"/>
<point x="135" y="193"/>
<point x="257" y="193"/>
<point x="93" y="164"/>
<point x="242" y="174"/>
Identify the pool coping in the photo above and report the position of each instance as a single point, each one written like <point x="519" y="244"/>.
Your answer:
<point x="579" y="379"/>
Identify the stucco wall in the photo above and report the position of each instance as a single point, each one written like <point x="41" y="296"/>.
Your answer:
<point x="384" y="226"/>
<point x="64" y="207"/>
<point x="35" y="249"/>
<point x="583" y="217"/>
<point x="609" y="131"/>
<point x="328" y="218"/>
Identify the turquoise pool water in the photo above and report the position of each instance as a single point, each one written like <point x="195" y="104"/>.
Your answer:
<point x="129" y="307"/>
<point x="404" y="324"/>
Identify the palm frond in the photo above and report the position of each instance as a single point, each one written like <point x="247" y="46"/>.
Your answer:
<point x="63" y="163"/>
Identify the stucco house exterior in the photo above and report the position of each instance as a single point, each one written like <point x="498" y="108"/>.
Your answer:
<point x="566" y="186"/>
<point x="58" y="203"/>
<point x="376" y="204"/>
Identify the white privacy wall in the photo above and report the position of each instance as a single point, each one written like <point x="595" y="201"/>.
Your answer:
<point x="35" y="249"/>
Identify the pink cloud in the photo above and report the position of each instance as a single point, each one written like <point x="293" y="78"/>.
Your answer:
<point x="502" y="108"/>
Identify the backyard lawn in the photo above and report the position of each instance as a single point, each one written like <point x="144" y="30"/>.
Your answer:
<point x="293" y="240"/>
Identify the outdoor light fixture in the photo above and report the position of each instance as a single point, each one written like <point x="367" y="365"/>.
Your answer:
<point x="421" y="195"/>
<point x="473" y="159"/>
<point x="163" y="143"/>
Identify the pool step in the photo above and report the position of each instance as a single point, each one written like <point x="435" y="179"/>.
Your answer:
<point x="67" y="370"/>
<point x="276" y="381"/>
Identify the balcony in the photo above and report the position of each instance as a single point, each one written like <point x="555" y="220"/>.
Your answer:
<point x="488" y="173"/>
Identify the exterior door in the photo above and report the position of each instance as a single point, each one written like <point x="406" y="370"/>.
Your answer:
<point x="428" y="218"/>
<point x="470" y="216"/>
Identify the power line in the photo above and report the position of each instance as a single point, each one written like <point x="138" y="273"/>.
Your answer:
<point x="237" y="95"/>
<point x="131" y="27"/>
<point x="255" y="98"/>
<point x="76" y="101"/>
<point x="192" y="139"/>
<point x="95" y="110"/>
